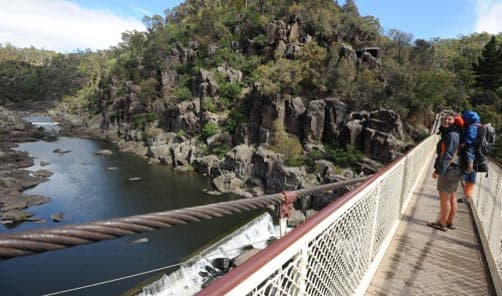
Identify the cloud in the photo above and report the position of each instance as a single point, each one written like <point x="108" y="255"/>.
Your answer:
<point x="60" y="25"/>
<point x="489" y="20"/>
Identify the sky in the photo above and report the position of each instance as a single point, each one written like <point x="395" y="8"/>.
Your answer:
<point x="68" y="25"/>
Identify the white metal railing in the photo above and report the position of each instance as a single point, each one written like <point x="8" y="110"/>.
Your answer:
<point x="487" y="211"/>
<point x="337" y="251"/>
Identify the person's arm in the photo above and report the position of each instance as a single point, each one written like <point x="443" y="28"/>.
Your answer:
<point x="451" y="141"/>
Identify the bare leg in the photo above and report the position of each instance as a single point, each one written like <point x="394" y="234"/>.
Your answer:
<point x="444" y="212"/>
<point x="453" y="208"/>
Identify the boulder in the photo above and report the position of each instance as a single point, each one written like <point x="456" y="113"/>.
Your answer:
<point x="227" y="182"/>
<point x="296" y="218"/>
<point x="284" y="178"/>
<point x="181" y="153"/>
<point x="104" y="152"/>
<point x="322" y="199"/>
<point x="209" y="164"/>
<point x="381" y="146"/>
<point x="240" y="161"/>
<point x="386" y="121"/>
<point x="58" y="217"/>
<point x="263" y="161"/>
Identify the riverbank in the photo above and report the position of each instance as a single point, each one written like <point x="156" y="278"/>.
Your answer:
<point x="14" y="178"/>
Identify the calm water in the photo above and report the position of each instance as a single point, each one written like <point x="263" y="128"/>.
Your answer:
<point x="83" y="189"/>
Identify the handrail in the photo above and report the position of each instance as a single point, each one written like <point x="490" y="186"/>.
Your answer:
<point x="27" y="243"/>
<point x="236" y="276"/>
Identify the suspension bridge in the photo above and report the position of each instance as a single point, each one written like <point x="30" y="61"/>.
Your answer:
<point x="372" y="240"/>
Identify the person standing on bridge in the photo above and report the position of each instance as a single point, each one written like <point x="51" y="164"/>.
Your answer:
<point x="448" y="172"/>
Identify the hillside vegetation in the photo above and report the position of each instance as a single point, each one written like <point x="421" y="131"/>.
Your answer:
<point x="230" y="55"/>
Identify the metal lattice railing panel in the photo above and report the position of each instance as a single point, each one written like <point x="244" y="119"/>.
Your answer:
<point x="336" y="253"/>
<point x="285" y="281"/>
<point x="487" y="205"/>
<point x="389" y="205"/>
<point x="339" y="254"/>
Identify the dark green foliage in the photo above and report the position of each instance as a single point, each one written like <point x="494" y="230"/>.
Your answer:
<point x="345" y="157"/>
<point x="148" y="89"/>
<point x="182" y="93"/>
<point x="295" y="161"/>
<point x="409" y="76"/>
<point x="210" y="129"/>
<point x="314" y="155"/>
<point x="220" y="149"/>
<point x="141" y="120"/>
<point x="488" y="68"/>
<point x="230" y="91"/>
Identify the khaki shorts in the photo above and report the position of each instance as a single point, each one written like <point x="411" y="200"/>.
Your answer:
<point x="450" y="180"/>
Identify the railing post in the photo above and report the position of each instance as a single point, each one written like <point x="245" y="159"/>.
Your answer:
<point x="285" y="210"/>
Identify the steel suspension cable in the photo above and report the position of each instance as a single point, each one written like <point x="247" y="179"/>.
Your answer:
<point x="27" y="243"/>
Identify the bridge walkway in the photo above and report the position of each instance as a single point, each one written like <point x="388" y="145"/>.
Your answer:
<point x="424" y="261"/>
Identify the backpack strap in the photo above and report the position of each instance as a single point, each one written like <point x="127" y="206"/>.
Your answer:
<point x="443" y="151"/>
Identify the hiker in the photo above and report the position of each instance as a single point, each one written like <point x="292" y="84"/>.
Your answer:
<point x="448" y="172"/>
<point x="467" y="144"/>
<point x="471" y="123"/>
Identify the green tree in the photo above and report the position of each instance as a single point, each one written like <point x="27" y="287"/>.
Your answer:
<point x="488" y="69"/>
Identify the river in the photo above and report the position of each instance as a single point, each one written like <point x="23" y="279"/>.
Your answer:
<point x="89" y="187"/>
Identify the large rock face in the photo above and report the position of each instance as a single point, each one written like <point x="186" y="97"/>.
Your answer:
<point x="378" y="134"/>
<point x="386" y="121"/>
<point x="314" y="120"/>
<point x="206" y="78"/>
<point x="182" y="116"/>
<point x="294" y="112"/>
<point x="336" y="112"/>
